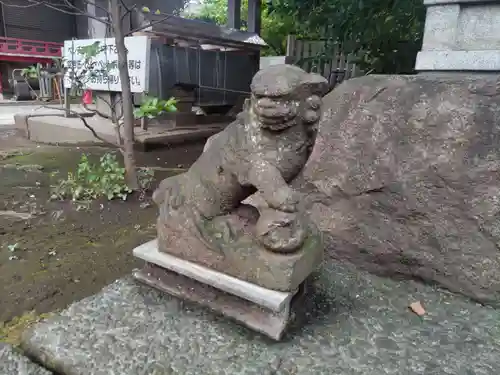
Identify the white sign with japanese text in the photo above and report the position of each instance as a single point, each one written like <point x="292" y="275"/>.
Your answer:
<point x="101" y="69"/>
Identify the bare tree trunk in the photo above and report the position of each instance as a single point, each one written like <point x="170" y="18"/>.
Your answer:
<point x="128" y="110"/>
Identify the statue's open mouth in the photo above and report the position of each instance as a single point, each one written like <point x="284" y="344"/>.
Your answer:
<point x="275" y="118"/>
<point x="276" y="124"/>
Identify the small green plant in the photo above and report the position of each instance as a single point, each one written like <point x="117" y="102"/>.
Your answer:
<point x="31" y="72"/>
<point x="147" y="10"/>
<point x="111" y="178"/>
<point x="153" y="107"/>
<point x="13" y="247"/>
<point x="90" y="50"/>
<point x="105" y="179"/>
<point x="146" y="177"/>
<point x="92" y="181"/>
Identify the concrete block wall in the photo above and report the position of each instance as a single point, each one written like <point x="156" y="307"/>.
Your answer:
<point x="267" y="61"/>
<point x="461" y="35"/>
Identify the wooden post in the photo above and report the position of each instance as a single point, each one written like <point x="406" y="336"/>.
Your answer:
<point x="67" y="103"/>
<point x="290" y="45"/>
<point x="254" y="16"/>
<point x="1" y="87"/>
<point x="234" y="14"/>
<point x="144" y="123"/>
<point x="254" y="25"/>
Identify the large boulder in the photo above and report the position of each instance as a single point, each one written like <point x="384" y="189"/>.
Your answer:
<point x="404" y="179"/>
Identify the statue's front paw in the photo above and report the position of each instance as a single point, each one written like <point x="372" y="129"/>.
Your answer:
<point x="284" y="199"/>
<point x="281" y="232"/>
<point x="158" y="196"/>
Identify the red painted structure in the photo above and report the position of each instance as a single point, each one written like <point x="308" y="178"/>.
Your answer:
<point x="15" y="50"/>
<point x="29" y="51"/>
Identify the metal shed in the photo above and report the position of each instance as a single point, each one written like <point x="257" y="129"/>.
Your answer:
<point x="216" y="62"/>
<point x="37" y="21"/>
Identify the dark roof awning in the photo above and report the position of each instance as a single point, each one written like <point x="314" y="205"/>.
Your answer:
<point x="200" y="32"/>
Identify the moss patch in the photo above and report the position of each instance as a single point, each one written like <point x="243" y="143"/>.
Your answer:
<point x="6" y="155"/>
<point x="50" y="159"/>
<point x="12" y="331"/>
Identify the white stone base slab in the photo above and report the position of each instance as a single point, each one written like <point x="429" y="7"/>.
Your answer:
<point x="476" y="61"/>
<point x="271" y="299"/>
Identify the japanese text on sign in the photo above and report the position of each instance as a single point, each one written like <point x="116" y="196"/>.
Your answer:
<point x="101" y="71"/>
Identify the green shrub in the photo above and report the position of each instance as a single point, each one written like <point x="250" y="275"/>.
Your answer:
<point x="93" y="181"/>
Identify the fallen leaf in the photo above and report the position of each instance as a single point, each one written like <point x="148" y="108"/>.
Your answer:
<point x="417" y="308"/>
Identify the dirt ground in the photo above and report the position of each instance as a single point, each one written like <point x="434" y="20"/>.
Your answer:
<point x="54" y="253"/>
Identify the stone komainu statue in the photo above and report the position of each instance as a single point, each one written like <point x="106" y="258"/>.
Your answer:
<point x="201" y="216"/>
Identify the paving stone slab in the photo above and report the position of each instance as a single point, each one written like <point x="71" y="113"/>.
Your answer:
<point x="358" y="324"/>
<point x="12" y="362"/>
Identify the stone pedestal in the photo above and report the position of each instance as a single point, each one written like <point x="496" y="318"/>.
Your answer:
<point x="235" y="251"/>
<point x="461" y="35"/>
<point x="263" y="310"/>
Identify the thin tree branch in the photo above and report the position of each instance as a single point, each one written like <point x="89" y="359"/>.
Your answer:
<point x="125" y="5"/>
<point x="79" y="13"/>
<point x="106" y="102"/>
<point x="72" y="6"/>
<point x="112" y="107"/>
<point x="152" y="23"/>
<point x="119" y="101"/>
<point x="33" y="4"/>
<point x="78" y="115"/>
<point x="97" y="112"/>
<point x="128" y="10"/>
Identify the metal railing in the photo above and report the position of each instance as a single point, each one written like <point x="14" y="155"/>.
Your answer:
<point x="15" y="46"/>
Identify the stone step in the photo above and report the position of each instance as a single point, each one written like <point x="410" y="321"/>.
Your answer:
<point x="357" y="324"/>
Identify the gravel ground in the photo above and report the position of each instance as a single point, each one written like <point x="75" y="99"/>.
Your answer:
<point x="13" y="363"/>
<point x="358" y="324"/>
